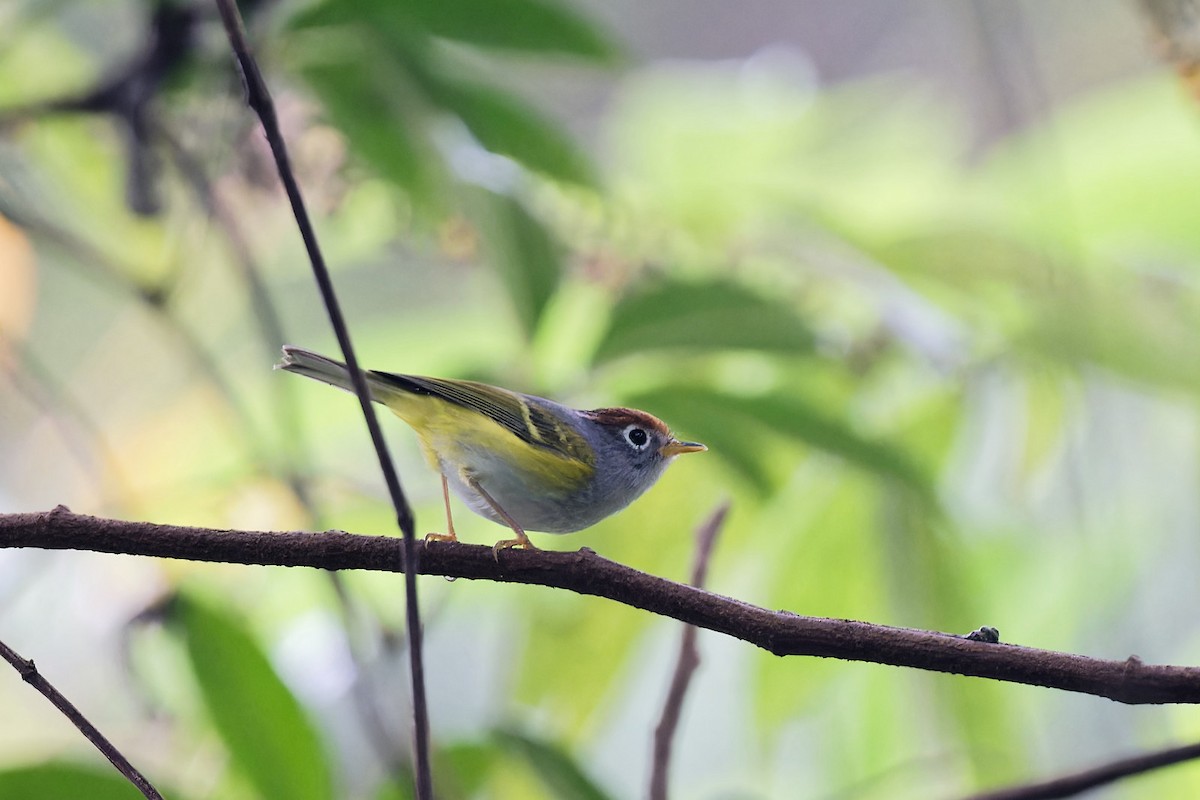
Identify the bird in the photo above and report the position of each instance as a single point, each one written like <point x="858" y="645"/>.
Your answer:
<point x="516" y="459"/>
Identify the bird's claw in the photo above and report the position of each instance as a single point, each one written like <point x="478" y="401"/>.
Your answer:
<point x="440" y="537"/>
<point x="504" y="544"/>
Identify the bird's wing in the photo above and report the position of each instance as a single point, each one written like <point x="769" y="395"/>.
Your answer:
<point x="523" y="416"/>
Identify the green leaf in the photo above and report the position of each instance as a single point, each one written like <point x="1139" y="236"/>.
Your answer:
<point x="1143" y="332"/>
<point x="461" y="769"/>
<point x="523" y="252"/>
<point x="526" y="25"/>
<point x="533" y="26"/>
<point x="561" y="773"/>
<point x="389" y="57"/>
<point x="361" y="101"/>
<point x="264" y="727"/>
<point x="396" y="789"/>
<point x="795" y="417"/>
<point x="507" y="126"/>
<point x="728" y="420"/>
<point x="60" y="780"/>
<point x="702" y="316"/>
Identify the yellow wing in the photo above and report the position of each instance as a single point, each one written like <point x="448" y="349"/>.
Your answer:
<point x="455" y="417"/>
<point x="463" y="422"/>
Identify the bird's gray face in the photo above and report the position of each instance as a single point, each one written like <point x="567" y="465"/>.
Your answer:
<point x="635" y="447"/>
<point x="642" y="447"/>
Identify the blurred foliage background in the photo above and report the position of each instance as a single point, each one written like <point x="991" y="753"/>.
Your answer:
<point x="922" y="274"/>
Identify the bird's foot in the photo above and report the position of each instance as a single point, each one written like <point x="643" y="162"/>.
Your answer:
<point x="521" y="541"/>
<point x="441" y="537"/>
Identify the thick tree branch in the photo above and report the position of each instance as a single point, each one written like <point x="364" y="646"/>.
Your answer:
<point x="779" y="632"/>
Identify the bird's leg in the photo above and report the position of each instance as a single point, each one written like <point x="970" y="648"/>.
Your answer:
<point x="451" y="536"/>
<point x="521" y="541"/>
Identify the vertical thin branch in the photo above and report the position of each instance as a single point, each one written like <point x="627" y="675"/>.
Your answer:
<point x="30" y="675"/>
<point x="689" y="660"/>
<point x="259" y="99"/>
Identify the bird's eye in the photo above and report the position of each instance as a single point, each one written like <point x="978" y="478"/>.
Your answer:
<point x="637" y="437"/>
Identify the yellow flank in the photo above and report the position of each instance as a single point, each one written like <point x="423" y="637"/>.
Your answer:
<point x="449" y="432"/>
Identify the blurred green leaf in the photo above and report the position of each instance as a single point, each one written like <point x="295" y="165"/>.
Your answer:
<point x="533" y="26"/>
<point x="507" y="126"/>
<point x="461" y="769"/>
<point x="263" y="725"/>
<point x="389" y="58"/>
<point x="557" y="768"/>
<point x="1144" y="331"/>
<point x="528" y="25"/>
<point x="387" y="20"/>
<point x="701" y="316"/>
<point x="61" y="780"/>
<point x="795" y="417"/>
<point x="967" y="259"/>
<point x="721" y="420"/>
<point x="365" y="106"/>
<point x="398" y="789"/>
<point x="524" y="253"/>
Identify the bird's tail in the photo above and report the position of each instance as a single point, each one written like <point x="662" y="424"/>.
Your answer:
<point x="318" y="367"/>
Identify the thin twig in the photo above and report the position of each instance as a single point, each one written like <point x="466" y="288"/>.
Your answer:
<point x="685" y="667"/>
<point x="259" y="99"/>
<point x="1071" y="785"/>
<point x="780" y="632"/>
<point x="30" y="675"/>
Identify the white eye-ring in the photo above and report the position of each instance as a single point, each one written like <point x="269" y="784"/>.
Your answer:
<point x="636" y="436"/>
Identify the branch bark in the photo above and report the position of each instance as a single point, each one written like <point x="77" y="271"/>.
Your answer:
<point x="1079" y="782"/>
<point x="780" y="632"/>
<point x="29" y="673"/>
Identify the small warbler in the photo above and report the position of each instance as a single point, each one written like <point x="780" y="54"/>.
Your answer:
<point x="519" y="460"/>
